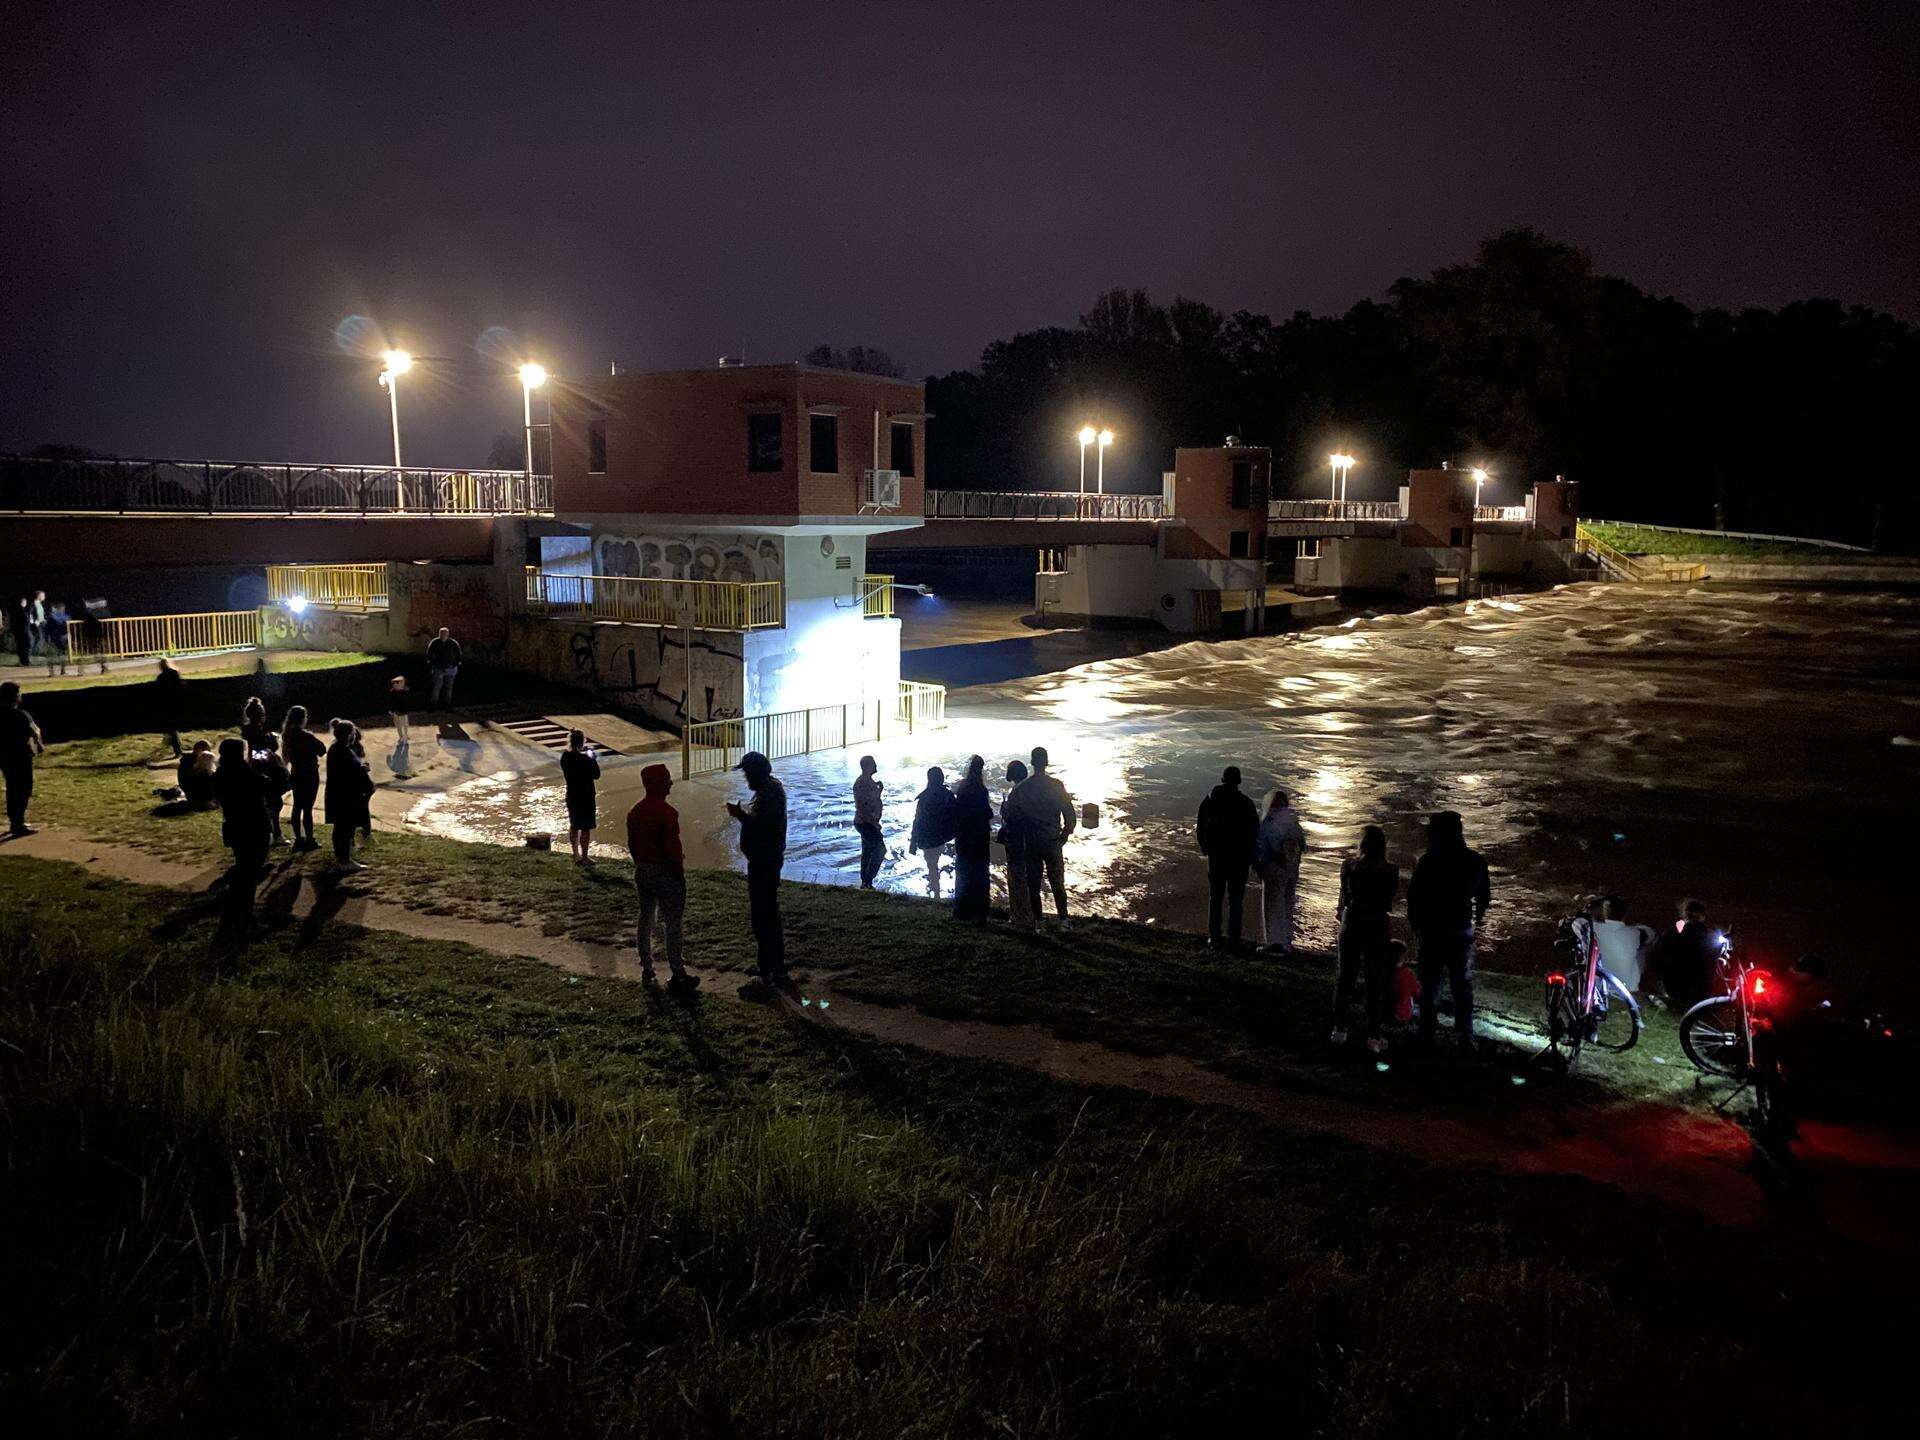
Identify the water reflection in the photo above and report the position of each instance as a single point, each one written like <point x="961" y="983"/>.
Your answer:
<point x="1654" y="742"/>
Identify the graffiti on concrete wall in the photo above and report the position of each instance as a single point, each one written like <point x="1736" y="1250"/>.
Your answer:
<point x="689" y="557"/>
<point x="649" y="669"/>
<point x="319" y="629"/>
<point x="463" y="598"/>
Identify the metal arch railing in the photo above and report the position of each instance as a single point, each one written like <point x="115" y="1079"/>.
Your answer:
<point x="35" y="484"/>
<point x="1040" y="505"/>
<point x="1334" y="510"/>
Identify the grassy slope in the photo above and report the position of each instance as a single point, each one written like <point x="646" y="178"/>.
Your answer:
<point x="88" y="676"/>
<point x="1639" y="540"/>
<point x="350" y="1184"/>
<point x="1131" y="987"/>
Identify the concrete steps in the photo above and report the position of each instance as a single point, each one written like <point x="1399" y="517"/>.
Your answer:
<point x="536" y="729"/>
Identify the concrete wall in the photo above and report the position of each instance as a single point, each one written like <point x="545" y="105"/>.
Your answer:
<point x="828" y="651"/>
<point x="316" y="628"/>
<point x="1202" y="492"/>
<point x="473" y="601"/>
<point x="632" y="547"/>
<point x="641" y="669"/>
<point x="1377" y="565"/>
<point x="1522" y="554"/>
<point x="677" y="441"/>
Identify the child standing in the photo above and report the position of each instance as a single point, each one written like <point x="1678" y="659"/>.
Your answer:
<point x="400" y="707"/>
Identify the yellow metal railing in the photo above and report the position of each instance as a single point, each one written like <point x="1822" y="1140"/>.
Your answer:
<point x="1646" y="569"/>
<point x="132" y="636"/>
<point x="700" y="604"/>
<point x="712" y="746"/>
<point x="341" y="587"/>
<point x="876" y="597"/>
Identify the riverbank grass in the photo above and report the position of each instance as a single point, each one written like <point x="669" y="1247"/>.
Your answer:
<point x="1645" y="540"/>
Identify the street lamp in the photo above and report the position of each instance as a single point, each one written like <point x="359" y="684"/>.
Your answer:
<point x="398" y="362"/>
<point x="1480" y="478"/>
<point x="1340" y="465"/>
<point x="1106" y="439"/>
<point x="1087" y="436"/>
<point x="532" y="377"/>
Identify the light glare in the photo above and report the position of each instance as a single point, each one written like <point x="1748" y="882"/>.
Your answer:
<point x="399" y="362"/>
<point x="533" y="376"/>
<point x="1087" y="434"/>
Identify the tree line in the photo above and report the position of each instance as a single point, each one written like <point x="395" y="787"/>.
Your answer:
<point x="1523" y="359"/>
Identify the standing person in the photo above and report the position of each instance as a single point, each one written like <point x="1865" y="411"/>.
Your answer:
<point x="659" y="873"/>
<point x="933" y="826"/>
<point x="302" y="750"/>
<point x="443" y="664"/>
<point x="866" y="820"/>
<point x="242" y="791"/>
<point x="582" y="773"/>
<point x="1043" y="811"/>
<point x="1447" y="901"/>
<point x="1277" y="849"/>
<point x="167" y="687"/>
<point x="20" y="741"/>
<point x="253" y="723"/>
<point x="1019" y="897"/>
<point x="22" y="629"/>
<point x="1226" y="829"/>
<point x="93" y="632"/>
<point x="37" y="621"/>
<point x="277" y="778"/>
<point x="54" y="635"/>
<point x="400" y="709"/>
<point x="349" y="788"/>
<point x="1368" y="886"/>
<point x="763" y="840"/>
<point x="972" y="844"/>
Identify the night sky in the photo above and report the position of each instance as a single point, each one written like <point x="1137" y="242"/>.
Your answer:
<point x="197" y="197"/>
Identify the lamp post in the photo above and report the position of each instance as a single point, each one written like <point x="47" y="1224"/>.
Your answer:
<point x="398" y="362"/>
<point x="1106" y="439"/>
<point x="1087" y="436"/>
<point x="1480" y="478"/>
<point x="532" y="377"/>
<point x="1340" y="464"/>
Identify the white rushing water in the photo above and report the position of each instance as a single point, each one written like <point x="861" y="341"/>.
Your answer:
<point x="1743" y="746"/>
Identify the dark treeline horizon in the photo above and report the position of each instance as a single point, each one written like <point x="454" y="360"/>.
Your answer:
<point x="1522" y="359"/>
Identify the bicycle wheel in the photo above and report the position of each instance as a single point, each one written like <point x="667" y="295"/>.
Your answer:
<point x="1710" y="1034"/>
<point x="1615" y="1022"/>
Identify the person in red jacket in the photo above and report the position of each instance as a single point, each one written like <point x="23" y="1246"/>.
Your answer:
<point x="659" y="872"/>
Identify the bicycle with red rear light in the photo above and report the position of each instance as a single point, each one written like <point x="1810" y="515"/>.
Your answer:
<point x="1586" y="1004"/>
<point x="1732" y="1034"/>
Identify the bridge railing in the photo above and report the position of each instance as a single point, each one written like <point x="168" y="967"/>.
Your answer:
<point x="1486" y="513"/>
<point x="695" y="604"/>
<point x="132" y="636"/>
<point x="1334" y="510"/>
<point x="1040" y="505"/>
<point x="346" y="587"/>
<point x="876" y="597"/>
<point x="35" y="484"/>
<point x="711" y="746"/>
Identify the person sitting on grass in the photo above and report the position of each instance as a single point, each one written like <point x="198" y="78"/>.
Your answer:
<point x="195" y="776"/>
<point x="349" y="789"/>
<point x="582" y="773"/>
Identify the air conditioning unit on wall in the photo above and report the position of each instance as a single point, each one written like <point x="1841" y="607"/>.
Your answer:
<point x="880" y="489"/>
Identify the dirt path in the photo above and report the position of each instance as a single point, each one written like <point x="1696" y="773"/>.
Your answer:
<point x="1692" y="1161"/>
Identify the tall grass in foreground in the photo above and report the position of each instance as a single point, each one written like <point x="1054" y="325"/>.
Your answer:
<point x="256" y="1208"/>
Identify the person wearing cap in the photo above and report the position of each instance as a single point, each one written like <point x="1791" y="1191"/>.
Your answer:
<point x="1226" y="829"/>
<point x="659" y="872"/>
<point x="763" y="840"/>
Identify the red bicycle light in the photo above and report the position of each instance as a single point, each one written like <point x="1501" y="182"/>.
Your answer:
<point x="1556" y="979"/>
<point x="1759" y="984"/>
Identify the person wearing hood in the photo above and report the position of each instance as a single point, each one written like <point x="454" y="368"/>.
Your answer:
<point x="1227" y="827"/>
<point x="972" y="843"/>
<point x="763" y="840"/>
<point x="246" y="827"/>
<point x="933" y="825"/>
<point x="1277" y="848"/>
<point x="349" y="793"/>
<point x="659" y="873"/>
<point x="1447" y="901"/>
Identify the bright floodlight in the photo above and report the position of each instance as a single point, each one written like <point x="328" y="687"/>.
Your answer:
<point x="297" y="603"/>
<point x="399" y="362"/>
<point x="1106" y="437"/>
<point x="1479" y="475"/>
<point x="926" y="590"/>
<point x="1087" y="434"/>
<point x="1342" y="461"/>
<point x="533" y="376"/>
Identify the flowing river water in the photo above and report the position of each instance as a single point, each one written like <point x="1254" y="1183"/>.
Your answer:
<point x="1757" y="749"/>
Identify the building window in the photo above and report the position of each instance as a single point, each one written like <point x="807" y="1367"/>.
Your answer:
<point x="1237" y="545"/>
<point x="902" y="456"/>
<point x="597" y="443"/>
<point x="763" y="441"/>
<point x="1242" y="497"/>
<point x="824" y="445"/>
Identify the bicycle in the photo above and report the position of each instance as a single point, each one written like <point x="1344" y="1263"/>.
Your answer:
<point x="1731" y="1035"/>
<point x="1586" y="1004"/>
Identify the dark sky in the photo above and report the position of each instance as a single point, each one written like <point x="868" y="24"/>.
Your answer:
<point x="194" y="198"/>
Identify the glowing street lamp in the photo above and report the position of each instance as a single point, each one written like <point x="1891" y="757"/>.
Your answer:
<point x="1340" y="464"/>
<point x="532" y="377"/>
<point x="1480" y="478"/>
<point x="398" y="363"/>
<point x="1087" y="436"/>
<point x="1106" y="439"/>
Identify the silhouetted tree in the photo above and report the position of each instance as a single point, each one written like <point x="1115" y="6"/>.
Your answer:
<point x="864" y="359"/>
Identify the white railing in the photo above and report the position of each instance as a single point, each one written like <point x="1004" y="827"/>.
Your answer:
<point x="1334" y="510"/>
<point x="1485" y="513"/>
<point x="1040" y="505"/>
<point x="711" y="746"/>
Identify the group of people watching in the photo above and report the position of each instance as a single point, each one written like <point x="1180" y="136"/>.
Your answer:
<point x="1675" y="965"/>
<point x="1036" y="818"/>
<point x="42" y="633"/>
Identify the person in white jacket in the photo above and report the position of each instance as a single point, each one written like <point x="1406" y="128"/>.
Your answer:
<point x="1277" y="848"/>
